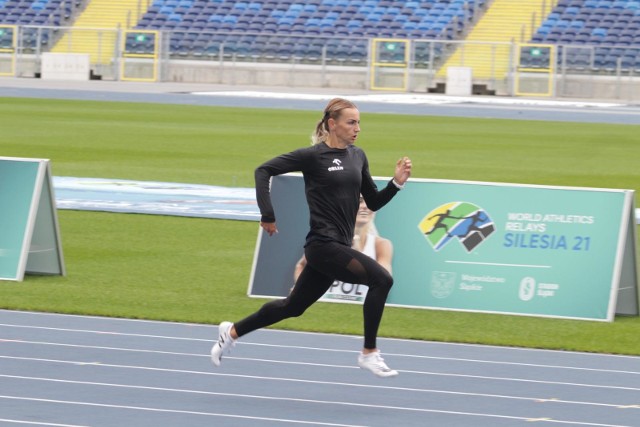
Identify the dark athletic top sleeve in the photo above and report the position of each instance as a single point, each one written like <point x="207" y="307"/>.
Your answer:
<point x="334" y="180"/>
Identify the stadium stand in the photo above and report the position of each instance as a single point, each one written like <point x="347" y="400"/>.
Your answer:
<point x="87" y="36"/>
<point x="594" y="35"/>
<point x="30" y="12"/>
<point x="34" y="13"/>
<point x="503" y="22"/>
<point x="268" y="30"/>
<point x="302" y="29"/>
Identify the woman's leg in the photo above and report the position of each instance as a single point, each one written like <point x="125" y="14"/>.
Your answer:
<point x="325" y="263"/>
<point x="309" y="287"/>
<point x="349" y="265"/>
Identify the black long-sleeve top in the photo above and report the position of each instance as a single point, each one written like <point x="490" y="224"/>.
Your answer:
<point x="334" y="179"/>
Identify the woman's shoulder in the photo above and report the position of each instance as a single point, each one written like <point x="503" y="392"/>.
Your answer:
<point x="319" y="147"/>
<point x="308" y="151"/>
<point x="357" y="151"/>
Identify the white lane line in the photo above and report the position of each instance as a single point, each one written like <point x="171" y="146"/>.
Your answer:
<point x="98" y="318"/>
<point x="340" y="403"/>
<point x="356" y="385"/>
<point x="98" y="332"/>
<point x="287" y="332"/>
<point x="36" y="423"/>
<point x="248" y="343"/>
<point x="174" y="411"/>
<point x="298" y="400"/>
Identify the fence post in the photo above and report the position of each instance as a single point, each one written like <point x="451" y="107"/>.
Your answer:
<point x="323" y="77"/>
<point x="512" y="68"/>
<point x="562" y="74"/>
<point x="430" y="73"/>
<point x="493" y="65"/>
<point x="618" y="77"/>
<point x="118" y="54"/>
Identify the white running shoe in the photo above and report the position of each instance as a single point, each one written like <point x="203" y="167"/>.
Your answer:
<point x="375" y="363"/>
<point x="224" y="344"/>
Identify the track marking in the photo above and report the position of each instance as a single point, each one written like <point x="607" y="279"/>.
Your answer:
<point x="175" y="411"/>
<point x="289" y="332"/>
<point x="41" y="423"/>
<point x="248" y="343"/>
<point x="342" y="384"/>
<point x="340" y="403"/>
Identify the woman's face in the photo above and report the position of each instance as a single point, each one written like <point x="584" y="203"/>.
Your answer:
<point x="347" y="126"/>
<point x="365" y="215"/>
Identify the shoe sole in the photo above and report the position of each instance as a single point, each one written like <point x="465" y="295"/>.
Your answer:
<point x="384" y="375"/>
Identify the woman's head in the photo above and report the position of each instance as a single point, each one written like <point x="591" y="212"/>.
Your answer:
<point x="339" y="116"/>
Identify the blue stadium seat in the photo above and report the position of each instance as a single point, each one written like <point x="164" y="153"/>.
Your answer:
<point x="606" y="23"/>
<point x="316" y="18"/>
<point x="358" y="53"/>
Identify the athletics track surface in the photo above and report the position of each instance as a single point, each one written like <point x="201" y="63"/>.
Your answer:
<point x="87" y="371"/>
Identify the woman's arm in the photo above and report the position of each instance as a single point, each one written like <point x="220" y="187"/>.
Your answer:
<point x="377" y="199"/>
<point x="285" y="163"/>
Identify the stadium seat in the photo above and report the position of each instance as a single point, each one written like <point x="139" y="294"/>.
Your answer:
<point x="444" y="19"/>
<point x="609" y="24"/>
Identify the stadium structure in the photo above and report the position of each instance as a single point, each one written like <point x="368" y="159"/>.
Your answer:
<point x="561" y="48"/>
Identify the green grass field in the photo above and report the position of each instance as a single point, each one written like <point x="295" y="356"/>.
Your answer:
<point x="197" y="270"/>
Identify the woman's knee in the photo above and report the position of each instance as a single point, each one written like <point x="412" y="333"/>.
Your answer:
<point x="384" y="280"/>
<point x="388" y="279"/>
<point x="282" y="309"/>
<point x="294" y="311"/>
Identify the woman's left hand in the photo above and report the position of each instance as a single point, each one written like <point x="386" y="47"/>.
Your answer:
<point x="403" y="170"/>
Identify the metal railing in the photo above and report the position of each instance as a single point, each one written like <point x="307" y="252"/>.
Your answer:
<point x="617" y="66"/>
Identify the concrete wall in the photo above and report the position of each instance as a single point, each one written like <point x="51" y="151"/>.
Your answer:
<point x="622" y="88"/>
<point x="248" y="73"/>
<point x="584" y="86"/>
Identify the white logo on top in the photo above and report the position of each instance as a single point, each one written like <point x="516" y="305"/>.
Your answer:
<point x="336" y="162"/>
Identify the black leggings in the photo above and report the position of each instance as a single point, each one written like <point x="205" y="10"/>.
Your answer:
<point x="327" y="262"/>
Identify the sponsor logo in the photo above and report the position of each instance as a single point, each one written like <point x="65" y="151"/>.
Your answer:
<point x="462" y="221"/>
<point x="527" y="289"/>
<point x="530" y="289"/>
<point x="442" y="284"/>
<point x="337" y="166"/>
<point x="343" y="291"/>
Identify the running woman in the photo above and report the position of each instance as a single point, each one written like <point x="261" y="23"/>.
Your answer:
<point x="336" y="173"/>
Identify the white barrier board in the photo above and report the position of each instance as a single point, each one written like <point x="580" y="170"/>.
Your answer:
<point x="459" y="81"/>
<point x="65" y="66"/>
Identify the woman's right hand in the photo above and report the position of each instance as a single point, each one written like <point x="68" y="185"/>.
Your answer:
<point x="269" y="227"/>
